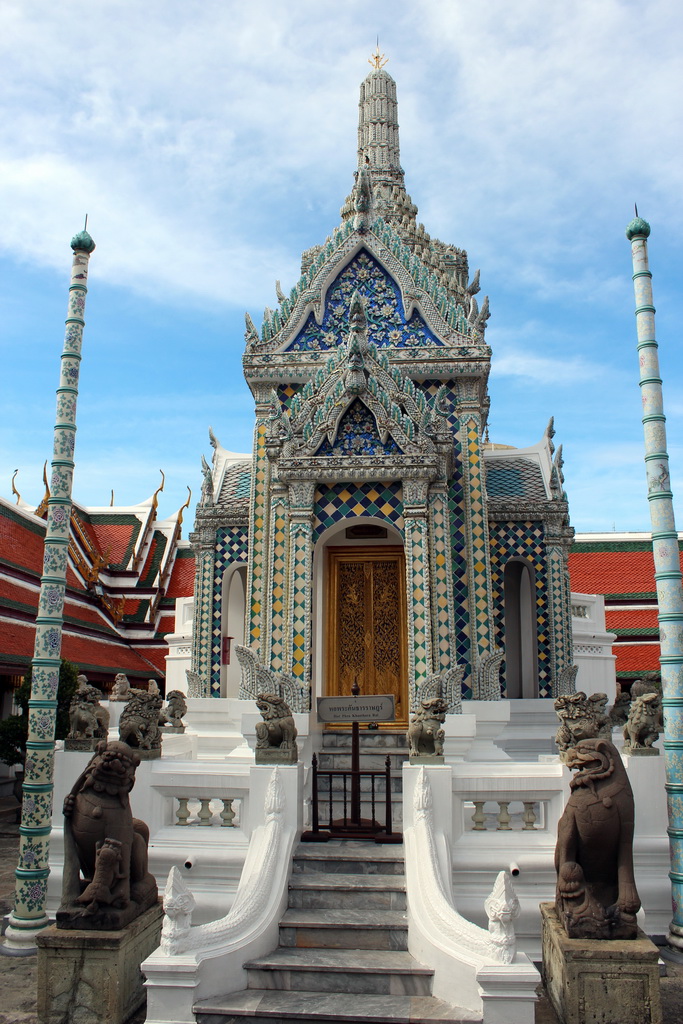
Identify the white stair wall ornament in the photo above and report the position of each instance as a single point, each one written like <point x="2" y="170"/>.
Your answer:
<point x="474" y="968"/>
<point x="201" y="962"/>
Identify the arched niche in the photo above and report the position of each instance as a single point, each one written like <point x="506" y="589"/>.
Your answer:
<point x="233" y="611"/>
<point x="521" y="645"/>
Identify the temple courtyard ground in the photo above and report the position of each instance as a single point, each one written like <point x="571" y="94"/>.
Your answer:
<point x="18" y="974"/>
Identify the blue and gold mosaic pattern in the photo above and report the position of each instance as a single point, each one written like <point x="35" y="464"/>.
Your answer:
<point x="387" y="324"/>
<point x="231" y="546"/>
<point x="357" y="434"/>
<point x="348" y="501"/>
<point x="524" y="540"/>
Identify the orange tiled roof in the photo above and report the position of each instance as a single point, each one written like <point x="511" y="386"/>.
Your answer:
<point x="637" y="657"/>
<point x="612" y="572"/>
<point x="181" y="583"/>
<point x="632" y="618"/>
<point x="94" y="653"/>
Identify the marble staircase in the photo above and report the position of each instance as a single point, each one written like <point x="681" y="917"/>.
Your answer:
<point x="343" y="956"/>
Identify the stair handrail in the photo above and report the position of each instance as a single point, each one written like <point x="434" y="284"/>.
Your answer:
<point x="199" y="962"/>
<point x="470" y="963"/>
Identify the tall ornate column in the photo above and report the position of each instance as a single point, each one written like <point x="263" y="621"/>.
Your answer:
<point x="29" y="917"/>
<point x="300" y="581"/>
<point x="203" y="542"/>
<point x="666" y="559"/>
<point x="259" y="516"/>
<point x="277" y="578"/>
<point x="558" y="542"/>
<point x="416" y="526"/>
<point x="441" y="566"/>
<point x="477" y="528"/>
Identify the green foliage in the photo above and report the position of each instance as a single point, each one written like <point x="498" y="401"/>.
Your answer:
<point x="14" y="729"/>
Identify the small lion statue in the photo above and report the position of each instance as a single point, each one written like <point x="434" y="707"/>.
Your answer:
<point x="106" y="882"/>
<point x="139" y="722"/>
<point x="596" y="894"/>
<point x="88" y="720"/>
<point x="276" y="734"/>
<point x="425" y="732"/>
<point x="643" y="725"/>
<point x="581" y="718"/>
<point x="172" y="715"/>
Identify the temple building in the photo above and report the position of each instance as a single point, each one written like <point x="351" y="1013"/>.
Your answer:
<point x="375" y="534"/>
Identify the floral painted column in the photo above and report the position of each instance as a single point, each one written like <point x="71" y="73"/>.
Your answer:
<point x="666" y="559"/>
<point x="29" y="917"/>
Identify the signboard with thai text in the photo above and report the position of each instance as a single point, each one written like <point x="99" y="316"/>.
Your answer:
<point x="379" y="708"/>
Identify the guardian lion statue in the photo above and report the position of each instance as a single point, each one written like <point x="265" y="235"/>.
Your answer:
<point x="106" y="882"/>
<point x="643" y="725"/>
<point x="596" y="894"/>
<point x="276" y="734"/>
<point x="88" y="720"/>
<point x="425" y="732"/>
<point x="139" y="722"/>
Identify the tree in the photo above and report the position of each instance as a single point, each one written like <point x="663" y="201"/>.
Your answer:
<point x="14" y="728"/>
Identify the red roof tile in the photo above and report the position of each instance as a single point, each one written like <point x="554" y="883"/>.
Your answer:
<point x="636" y="657"/>
<point x="85" y="651"/>
<point x="612" y="572"/>
<point x="631" y="618"/>
<point x="181" y="583"/>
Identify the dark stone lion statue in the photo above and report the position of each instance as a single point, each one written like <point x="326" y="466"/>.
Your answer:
<point x="425" y="732"/>
<point x="87" y="718"/>
<point x="106" y="882"/>
<point x="596" y="894"/>
<point x="643" y="725"/>
<point x="277" y="731"/>
<point x="139" y="722"/>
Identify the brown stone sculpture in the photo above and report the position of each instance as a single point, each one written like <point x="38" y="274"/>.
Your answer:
<point x="276" y="734"/>
<point x="171" y="716"/>
<point x="643" y="725"/>
<point x="596" y="894"/>
<point x="581" y="718"/>
<point x="121" y="688"/>
<point x="139" y="724"/>
<point x="88" y="720"/>
<point x="425" y="732"/>
<point x="106" y="882"/>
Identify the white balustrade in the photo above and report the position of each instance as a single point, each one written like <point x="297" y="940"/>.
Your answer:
<point x="206" y="810"/>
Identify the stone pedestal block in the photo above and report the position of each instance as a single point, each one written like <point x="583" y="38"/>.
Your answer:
<point x="593" y="981"/>
<point x="94" y="977"/>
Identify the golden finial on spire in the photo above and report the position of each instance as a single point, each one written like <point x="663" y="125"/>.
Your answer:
<point x="377" y="59"/>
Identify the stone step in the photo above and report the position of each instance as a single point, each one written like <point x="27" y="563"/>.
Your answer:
<point x="368" y="739"/>
<point x="344" y="929"/>
<point x="370" y="760"/>
<point x="259" y="1006"/>
<point x="334" y="891"/>
<point x="371" y="971"/>
<point x="349" y="857"/>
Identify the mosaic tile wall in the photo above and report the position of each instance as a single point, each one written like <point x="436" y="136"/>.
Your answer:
<point x="231" y="546"/>
<point x="524" y="540"/>
<point x="342" y="501"/>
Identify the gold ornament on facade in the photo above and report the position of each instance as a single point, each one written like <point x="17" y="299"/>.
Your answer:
<point x="377" y="60"/>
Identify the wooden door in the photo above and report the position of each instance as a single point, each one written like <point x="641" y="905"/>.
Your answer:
<point x="366" y="624"/>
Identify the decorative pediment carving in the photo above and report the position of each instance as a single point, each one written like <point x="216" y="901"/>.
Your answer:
<point x="358" y="405"/>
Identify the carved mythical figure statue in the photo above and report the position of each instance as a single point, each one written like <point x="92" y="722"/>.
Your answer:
<point x="643" y="725"/>
<point x="153" y="687"/>
<point x="596" y="892"/>
<point x="425" y="732"/>
<point x="176" y="707"/>
<point x="106" y="881"/>
<point x="121" y="688"/>
<point x="87" y="718"/>
<point x="581" y="718"/>
<point x="277" y="731"/>
<point x="620" y="709"/>
<point x="139" y="722"/>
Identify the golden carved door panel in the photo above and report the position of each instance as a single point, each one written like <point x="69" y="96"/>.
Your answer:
<point x="366" y="624"/>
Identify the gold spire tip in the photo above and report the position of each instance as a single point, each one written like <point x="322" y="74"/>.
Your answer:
<point x="377" y="60"/>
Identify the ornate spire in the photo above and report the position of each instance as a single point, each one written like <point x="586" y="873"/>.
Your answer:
<point x="378" y="146"/>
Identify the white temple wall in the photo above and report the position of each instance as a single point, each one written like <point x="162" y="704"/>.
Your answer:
<point x="593" y="646"/>
<point x="179" y="643"/>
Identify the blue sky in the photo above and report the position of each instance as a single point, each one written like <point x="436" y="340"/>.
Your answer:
<point x="210" y="143"/>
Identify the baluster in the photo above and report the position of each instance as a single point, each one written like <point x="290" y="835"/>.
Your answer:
<point x="479" y="818"/>
<point x="227" y="814"/>
<point x="182" y="813"/>
<point x="529" y="817"/>
<point x="503" y="817"/>
<point x="205" y="811"/>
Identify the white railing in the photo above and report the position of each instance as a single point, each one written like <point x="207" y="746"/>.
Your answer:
<point x="474" y="968"/>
